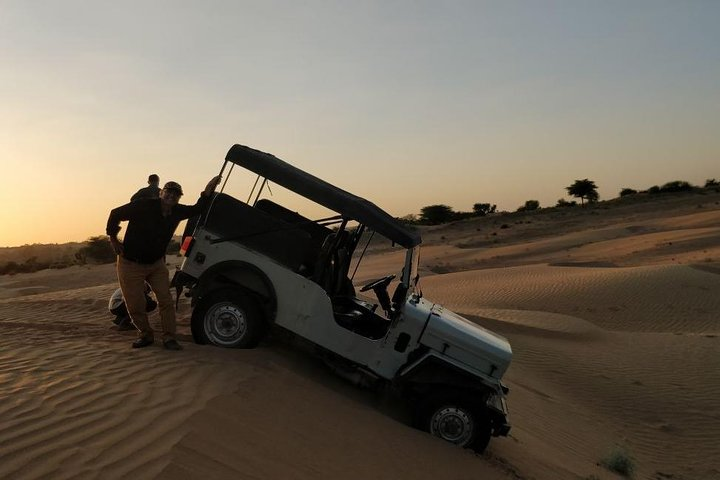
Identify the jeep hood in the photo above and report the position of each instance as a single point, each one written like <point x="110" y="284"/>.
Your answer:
<point x="467" y="342"/>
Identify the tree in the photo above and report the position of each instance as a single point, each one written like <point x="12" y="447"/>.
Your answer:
<point x="435" y="214"/>
<point x="584" y="189"/>
<point x="627" y="191"/>
<point x="482" y="209"/>
<point x="529" y="206"/>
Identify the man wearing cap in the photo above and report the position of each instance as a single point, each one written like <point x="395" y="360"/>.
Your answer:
<point x="141" y="255"/>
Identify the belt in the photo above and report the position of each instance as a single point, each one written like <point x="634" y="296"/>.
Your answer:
<point x="137" y="260"/>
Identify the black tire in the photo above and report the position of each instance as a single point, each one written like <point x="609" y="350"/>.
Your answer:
<point x="455" y="419"/>
<point x="228" y="318"/>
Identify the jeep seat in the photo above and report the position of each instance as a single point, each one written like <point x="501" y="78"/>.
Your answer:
<point x="237" y="221"/>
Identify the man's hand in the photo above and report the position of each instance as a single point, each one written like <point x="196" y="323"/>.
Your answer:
<point x="212" y="185"/>
<point x="116" y="246"/>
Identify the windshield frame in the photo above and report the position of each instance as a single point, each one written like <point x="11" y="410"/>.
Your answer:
<point x="410" y="276"/>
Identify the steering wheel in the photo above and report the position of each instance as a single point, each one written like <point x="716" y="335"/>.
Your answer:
<point x="380" y="282"/>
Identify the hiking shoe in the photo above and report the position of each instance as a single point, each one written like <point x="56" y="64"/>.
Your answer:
<point x="142" y="342"/>
<point x="172" y="344"/>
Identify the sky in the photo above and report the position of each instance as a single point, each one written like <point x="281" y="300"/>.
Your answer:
<point x="406" y="103"/>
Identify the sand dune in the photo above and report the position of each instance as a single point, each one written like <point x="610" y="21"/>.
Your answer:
<point x="607" y="247"/>
<point x="78" y="402"/>
<point x="614" y="327"/>
<point x="665" y="298"/>
<point x="636" y="349"/>
<point x="293" y="420"/>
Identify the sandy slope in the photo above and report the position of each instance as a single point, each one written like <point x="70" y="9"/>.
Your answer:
<point x="78" y="402"/>
<point x="604" y="356"/>
<point x="616" y="340"/>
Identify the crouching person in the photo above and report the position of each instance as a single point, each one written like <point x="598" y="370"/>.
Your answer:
<point x="141" y="255"/>
<point x="117" y="307"/>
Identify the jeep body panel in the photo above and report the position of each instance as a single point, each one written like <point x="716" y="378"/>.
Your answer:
<point x="475" y="378"/>
<point x="466" y="342"/>
<point x="301" y="305"/>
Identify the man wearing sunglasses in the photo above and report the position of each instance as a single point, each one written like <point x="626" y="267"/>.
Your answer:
<point x="141" y="255"/>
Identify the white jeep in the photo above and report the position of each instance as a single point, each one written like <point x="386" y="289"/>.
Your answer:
<point x="252" y="265"/>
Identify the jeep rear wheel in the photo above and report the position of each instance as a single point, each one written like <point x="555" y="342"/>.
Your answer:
<point x="228" y="318"/>
<point x="455" y="420"/>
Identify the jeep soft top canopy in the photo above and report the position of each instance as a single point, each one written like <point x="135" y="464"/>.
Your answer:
<point x="348" y="205"/>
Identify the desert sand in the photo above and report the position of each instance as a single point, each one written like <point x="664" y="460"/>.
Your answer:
<point x="613" y="314"/>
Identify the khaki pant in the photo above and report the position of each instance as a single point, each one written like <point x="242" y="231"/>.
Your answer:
<point x="132" y="277"/>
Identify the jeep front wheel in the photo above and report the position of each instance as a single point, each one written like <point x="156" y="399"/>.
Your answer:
<point x="227" y="318"/>
<point x="456" y="421"/>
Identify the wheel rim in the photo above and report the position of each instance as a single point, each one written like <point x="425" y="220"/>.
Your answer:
<point x="225" y="324"/>
<point x="452" y="424"/>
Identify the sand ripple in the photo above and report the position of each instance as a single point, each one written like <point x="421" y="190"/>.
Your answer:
<point x="78" y="402"/>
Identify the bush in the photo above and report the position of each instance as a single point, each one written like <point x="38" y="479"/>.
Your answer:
<point x="627" y="191"/>
<point x="409" y="219"/>
<point x="28" y="266"/>
<point x="461" y="215"/>
<point x="96" y="250"/>
<point x="677" y="186"/>
<point x="619" y="461"/>
<point x="436" y="214"/>
<point x="482" y="209"/>
<point x="10" y="268"/>
<point x="564" y="203"/>
<point x="529" y="206"/>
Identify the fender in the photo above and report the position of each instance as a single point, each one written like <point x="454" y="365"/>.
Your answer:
<point x="435" y="368"/>
<point x="243" y="274"/>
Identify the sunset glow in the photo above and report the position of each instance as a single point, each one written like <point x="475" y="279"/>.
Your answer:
<point x="406" y="103"/>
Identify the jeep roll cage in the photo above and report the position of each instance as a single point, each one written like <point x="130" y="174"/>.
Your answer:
<point x="349" y="206"/>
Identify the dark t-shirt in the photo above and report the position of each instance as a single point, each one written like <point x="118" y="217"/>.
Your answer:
<point x="149" y="232"/>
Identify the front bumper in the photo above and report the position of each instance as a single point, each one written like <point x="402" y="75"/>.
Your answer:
<point x="497" y="405"/>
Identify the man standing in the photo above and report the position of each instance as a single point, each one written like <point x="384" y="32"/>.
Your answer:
<point x="151" y="191"/>
<point x="141" y="255"/>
